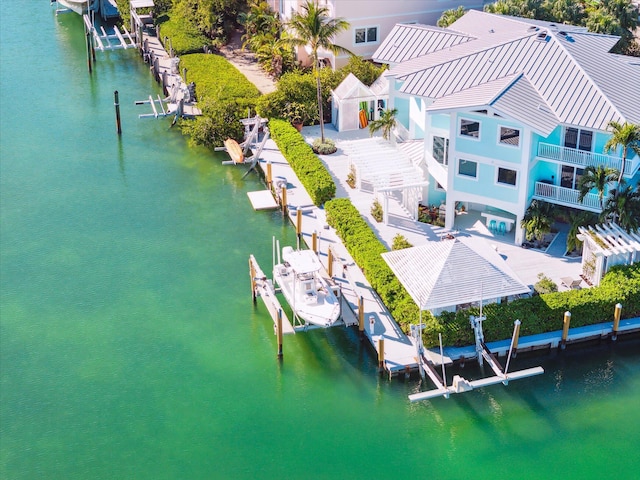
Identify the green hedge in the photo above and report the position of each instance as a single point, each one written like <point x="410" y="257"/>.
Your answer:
<point x="217" y="79"/>
<point x="538" y="314"/>
<point x="185" y="37"/>
<point x="306" y="164"/>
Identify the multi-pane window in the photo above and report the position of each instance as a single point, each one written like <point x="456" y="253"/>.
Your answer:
<point x="366" y="35"/>
<point x="441" y="150"/>
<point x="506" y="176"/>
<point x="510" y="136"/>
<point x="469" y="128"/>
<point x="578" y="138"/>
<point x="467" y="168"/>
<point x="570" y="176"/>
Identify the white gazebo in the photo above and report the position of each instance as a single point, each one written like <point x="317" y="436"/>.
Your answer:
<point x="605" y="246"/>
<point x="352" y="96"/>
<point x="441" y="276"/>
<point x="387" y="168"/>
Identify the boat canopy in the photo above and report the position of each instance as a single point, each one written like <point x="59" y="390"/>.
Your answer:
<point x="302" y="261"/>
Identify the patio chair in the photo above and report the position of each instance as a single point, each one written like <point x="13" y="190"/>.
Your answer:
<point x="502" y="228"/>
<point x="570" y="283"/>
<point x="492" y="226"/>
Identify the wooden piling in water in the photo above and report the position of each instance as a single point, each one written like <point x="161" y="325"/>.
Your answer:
<point x="616" y="321"/>
<point x="88" y="43"/>
<point x="314" y="242"/>
<point x="361" y="317"/>
<point x="284" y="200"/>
<point x="279" y="333"/>
<point x="381" y="354"/>
<point x="565" y="329"/>
<point x="330" y="262"/>
<point x="252" y="274"/>
<point x="269" y="175"/>
<point x="116" y="103"/>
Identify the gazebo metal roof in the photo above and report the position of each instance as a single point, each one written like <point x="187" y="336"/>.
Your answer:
<point x="453" y="272"/>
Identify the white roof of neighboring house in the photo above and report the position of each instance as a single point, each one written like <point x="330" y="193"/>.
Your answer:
<point x="566" y="72"/>
<point x="453" y="272"/>
<point x="407" y="41"/>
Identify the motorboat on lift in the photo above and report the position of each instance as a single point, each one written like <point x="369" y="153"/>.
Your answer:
<point x="308" y="293"/>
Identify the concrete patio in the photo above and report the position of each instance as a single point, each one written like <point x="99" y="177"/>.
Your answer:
<point x="527" y="263"/>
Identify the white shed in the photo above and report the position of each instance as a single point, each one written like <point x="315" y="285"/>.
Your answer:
<point x="354" y="105"/>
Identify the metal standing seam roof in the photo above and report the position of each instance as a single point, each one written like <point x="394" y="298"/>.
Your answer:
<point x="453" y="272"/>
<point x="407" y="41"/>
<point x="571" y="71"/>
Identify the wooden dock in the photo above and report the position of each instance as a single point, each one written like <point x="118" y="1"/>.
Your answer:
<point x="361" y="304"/>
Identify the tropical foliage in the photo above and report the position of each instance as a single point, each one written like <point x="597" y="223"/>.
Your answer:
<point x="307" y="166"/>
<point x="623" y="207"/>
<point x="537" y="220"/>
<point x="578" y="218"/>
<point x="598" y="178"/>
<point x="386" y="123"/>
<point x="313" y="27"/>
<point x="625" y="136"/>
<point x="450" y="16"/>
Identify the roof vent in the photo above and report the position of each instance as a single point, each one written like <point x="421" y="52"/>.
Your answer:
<point x="567" y="37"/>
<point x="542" y="36"/>
<point x="532" y="28"/>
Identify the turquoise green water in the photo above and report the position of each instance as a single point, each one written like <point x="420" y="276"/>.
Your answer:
<point x="129" y="347"/>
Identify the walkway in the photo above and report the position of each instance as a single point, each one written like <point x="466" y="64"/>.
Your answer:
<point x="246" y="62"/>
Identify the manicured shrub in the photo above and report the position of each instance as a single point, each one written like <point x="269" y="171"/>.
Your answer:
<point x="310" y="170"/>
<point x="185" y="37"/>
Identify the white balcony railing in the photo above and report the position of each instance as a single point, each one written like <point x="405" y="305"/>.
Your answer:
<point x="583" y="159"/>
<point x="567" y="196"/>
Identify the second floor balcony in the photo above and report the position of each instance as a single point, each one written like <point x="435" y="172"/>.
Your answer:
<point x="583" y="159"/>
<point x="567" y="197"/>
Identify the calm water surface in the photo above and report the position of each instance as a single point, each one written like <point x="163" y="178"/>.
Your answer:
<point x="130" y="348"/>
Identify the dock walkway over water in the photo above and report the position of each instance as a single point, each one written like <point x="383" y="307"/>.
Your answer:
<point x="400" y="354"/>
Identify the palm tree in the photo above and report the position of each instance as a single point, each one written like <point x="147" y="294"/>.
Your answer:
<point x="314" y="27"/>
<point x="600" y="178"/>
<point x="624" y="206"/>
<point x="450" y="16"/>
<point x="580" y="218"/>
<point x="627" y="136"/>
<point x="386" y="123"/>
<point x="537" y="220"/>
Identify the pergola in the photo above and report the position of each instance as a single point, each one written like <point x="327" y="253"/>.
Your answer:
<point x="607" y="245"/>
<point x="387" y="169"/>
<point x="440" y="276"/>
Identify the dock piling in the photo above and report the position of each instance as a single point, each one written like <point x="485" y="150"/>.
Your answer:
<point x="252" y="274"/>
<point x="314" y="241"/>
<point x="381" y="354"/>
<point x="284" y="200"/>
<point x="616" y="321"/>
<point x="116" y="103"/>
<point x="565" y="329"/>
<point x="330" y="262"/>
<point x="279" y="333"/>
<point x="298" y="225"/>
<point x="269" y="175"/>
<point x="361" y="317"/>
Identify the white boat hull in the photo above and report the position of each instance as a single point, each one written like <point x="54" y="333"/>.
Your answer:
<point x="309" y="295"/>
<point x="79" y="6"/>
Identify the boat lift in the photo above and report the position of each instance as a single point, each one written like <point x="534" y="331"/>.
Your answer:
<point x="104" y="41"/>
<point x="252" y="134"/>
<point x="460" y="384"/>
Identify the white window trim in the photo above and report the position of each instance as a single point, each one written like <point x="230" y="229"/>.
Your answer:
<point x="580" y="129"/>
<point x="507" y="144"/>
<point x="468" y="177"/>
<point x="469" y="137"/>
<point x="506" y="185"/>
<point x="366" y="27"/>
<point x="447" y="151"/>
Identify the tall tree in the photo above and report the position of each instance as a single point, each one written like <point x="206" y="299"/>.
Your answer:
<point x="600" y="178"/>
<point x="313" y="27"/>
<point x="624" y="207"/>
<point x="627" y="136"/>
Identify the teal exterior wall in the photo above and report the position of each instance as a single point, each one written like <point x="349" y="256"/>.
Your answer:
<point x="485" y="184"/>
<point x="489" y="143"/>
<point x="440" y="121"/>
<point x="402" y="105"/>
